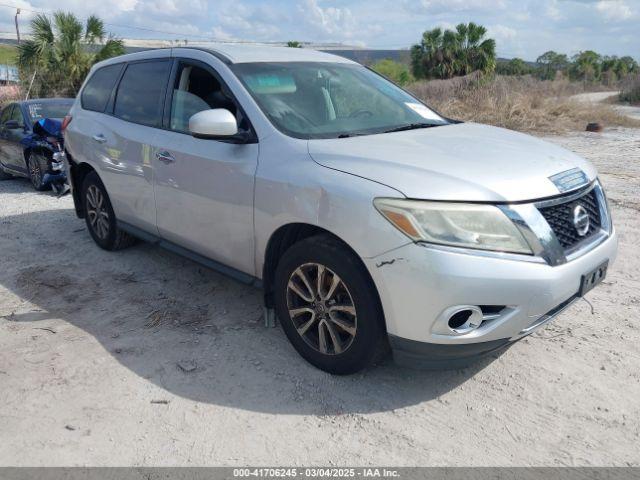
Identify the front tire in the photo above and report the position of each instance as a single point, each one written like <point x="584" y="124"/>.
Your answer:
<point x="37" y="167"/>
<point x="328" y="306"/>
<point x="100" y="217"/>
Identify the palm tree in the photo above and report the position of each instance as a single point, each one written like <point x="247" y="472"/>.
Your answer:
<point x="450" y="53"/>
<point x="62" y="50"/>
<point x="476" y="52"/>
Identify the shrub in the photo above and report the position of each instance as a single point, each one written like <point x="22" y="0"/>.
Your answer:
<point x="395" y="71"/>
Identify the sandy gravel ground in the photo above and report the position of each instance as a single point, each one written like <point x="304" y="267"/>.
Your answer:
<point x="597" y="97"/>
<point x="143" y="358"/>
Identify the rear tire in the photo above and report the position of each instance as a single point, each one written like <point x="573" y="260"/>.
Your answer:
<point x="100" y="217"/>
<point x="328" y="306"/>
<point x="37" y="167"/>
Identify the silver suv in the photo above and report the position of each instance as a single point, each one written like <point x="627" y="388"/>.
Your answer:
<point x="368" y="219"/>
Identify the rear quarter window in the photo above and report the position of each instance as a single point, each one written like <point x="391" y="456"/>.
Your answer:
<point x="140" y="96"/>
<point x="97" y="91"/>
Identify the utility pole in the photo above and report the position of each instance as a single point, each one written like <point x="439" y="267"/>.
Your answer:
<point x="17" y="29"/>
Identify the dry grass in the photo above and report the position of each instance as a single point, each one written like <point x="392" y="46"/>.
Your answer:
<point x="518" y="103"/>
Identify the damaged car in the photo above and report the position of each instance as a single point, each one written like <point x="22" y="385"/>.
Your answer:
<point x="369" y="220"/>
<point x="31" y="142"/>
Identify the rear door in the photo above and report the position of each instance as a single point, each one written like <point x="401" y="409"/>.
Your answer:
<point x="115" y="130"/>
<point x="204" y="188"/>
<point x="130" y="140"/>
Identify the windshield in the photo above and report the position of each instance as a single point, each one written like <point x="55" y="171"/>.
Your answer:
<point x="332" y="100"/>
<point x="38" y="111"/>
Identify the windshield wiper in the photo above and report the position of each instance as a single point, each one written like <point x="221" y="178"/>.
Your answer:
<point x="349" y="135"/>
<point x="411" y="126"/>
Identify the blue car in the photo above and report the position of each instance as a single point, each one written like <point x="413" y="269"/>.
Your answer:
<point x="31" y="142"/>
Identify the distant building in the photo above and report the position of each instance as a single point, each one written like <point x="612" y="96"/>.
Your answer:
<point x="8" y="75"/>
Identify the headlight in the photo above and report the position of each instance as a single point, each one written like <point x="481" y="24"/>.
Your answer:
<point x="465" y="225"/>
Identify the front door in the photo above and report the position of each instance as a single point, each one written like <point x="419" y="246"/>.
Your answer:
<point x="12" y="131"/>
<point x="204" y="188"/>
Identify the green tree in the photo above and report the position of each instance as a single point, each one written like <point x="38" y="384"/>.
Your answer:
<point x="475" y="51"/>
<point x="450" y="53"/>
<point x="294" y="44"/>
<point x="628" y="65"/>
<point x="586" y="66"/>
<point x="395" y="71"/>
<point x="550" y="63"/>
<point x="614" y="68"/>
<point x="515" y="66"/>
<point x="62" y="50"/>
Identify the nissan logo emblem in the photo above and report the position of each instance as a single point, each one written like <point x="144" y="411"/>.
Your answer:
<point x="581" y="220"/>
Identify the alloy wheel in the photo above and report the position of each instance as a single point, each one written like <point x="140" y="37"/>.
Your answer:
<point x="35" y="172"/>
<point x="97" y="212"/>
<point x="321" y="308"/>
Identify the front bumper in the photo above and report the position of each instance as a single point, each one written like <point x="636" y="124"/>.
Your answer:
<point x="419" y="284"/>
<point x="57" y="171"/>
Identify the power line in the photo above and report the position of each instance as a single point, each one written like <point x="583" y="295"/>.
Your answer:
<point x="131" y="27"/>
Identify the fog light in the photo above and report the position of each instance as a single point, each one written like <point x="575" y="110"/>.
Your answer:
<point x="465" y="319"/>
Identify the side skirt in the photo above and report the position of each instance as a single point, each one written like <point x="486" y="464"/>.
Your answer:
<point x="15" y="172"/>
<point x="204" y="261"/>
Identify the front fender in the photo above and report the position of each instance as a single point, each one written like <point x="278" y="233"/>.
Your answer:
<point x="292" y="188"/>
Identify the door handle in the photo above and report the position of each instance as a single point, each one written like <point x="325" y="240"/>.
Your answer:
<point x="99" y="138"/>
<point x="165" y="157"/>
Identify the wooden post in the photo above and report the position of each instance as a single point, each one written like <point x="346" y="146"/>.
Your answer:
<point x="17" y="28"/>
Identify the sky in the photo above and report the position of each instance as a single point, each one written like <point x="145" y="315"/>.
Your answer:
<point x="521" y="28"/>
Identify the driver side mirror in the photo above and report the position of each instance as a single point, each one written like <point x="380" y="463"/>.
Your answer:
<point x="217" y="124"/>
<point x="12" y="125"/>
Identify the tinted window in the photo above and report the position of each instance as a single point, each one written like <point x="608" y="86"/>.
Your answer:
<point x="99" y="87"/>
<point x="141" y="92"/>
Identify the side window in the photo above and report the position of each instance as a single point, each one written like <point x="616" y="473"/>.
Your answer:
<point x="6" y="114"/>
<point x="97" y="91"/>
<point x="141" y="91"/>
<point x="16" y="114"/>
<point x="194" y="90"/>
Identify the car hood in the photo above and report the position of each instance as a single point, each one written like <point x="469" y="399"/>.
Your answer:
<point x="465" y="161"/>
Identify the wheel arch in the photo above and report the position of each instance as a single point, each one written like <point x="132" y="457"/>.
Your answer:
<point x="286" y="236"/>
<point x="26" y="153"/>
<point x="78" y="172"/>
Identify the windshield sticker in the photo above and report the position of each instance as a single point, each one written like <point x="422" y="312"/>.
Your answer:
<point x="34" y="110"/>
<point x="423" y="111"/>
<point x="265" y="83"/>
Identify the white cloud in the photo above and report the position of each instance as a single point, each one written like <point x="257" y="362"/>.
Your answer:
<point x="615" y="10"/>
<point x="553" y="11"/>
<point x="501" y="32"/>
<point x="329" y="20"/>
<point x="441" y="6"/>
<point x="521" y="27"/>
